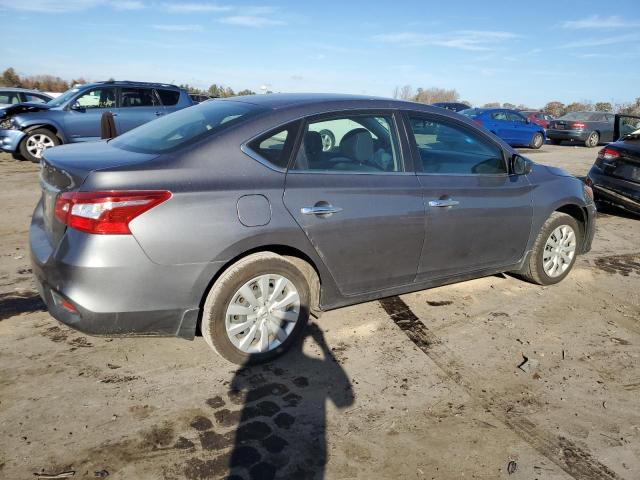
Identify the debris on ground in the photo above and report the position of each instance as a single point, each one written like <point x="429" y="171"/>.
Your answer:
<point x="528" y="364"/>
<point x="512" y="466"/>
<point x="67" y="474"/>
<point x="101" y="474"/>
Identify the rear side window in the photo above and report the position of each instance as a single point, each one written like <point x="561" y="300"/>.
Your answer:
<point x="168" y="97"/>
<point x="351" y="143"/>
<point x="514" y="117"/>
<point x="499" y="116"/>
<point x="446" y="148"/>
<point x="185" y="127"/>
<point x="9" y="97"/>
<point x="275" y="146"/>
<point x="33" y="98"/>
<point x="137" y="97"/>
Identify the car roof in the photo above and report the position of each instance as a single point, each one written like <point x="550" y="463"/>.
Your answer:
<point x="282" y="101"/>
<point x="19" y="89"/>
<point x="130" y="83"/>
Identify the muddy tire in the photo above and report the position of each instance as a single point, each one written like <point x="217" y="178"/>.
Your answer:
<point x="256" y="309"/>
<point x="37" y="141"/>
<point x="554" y="251"/>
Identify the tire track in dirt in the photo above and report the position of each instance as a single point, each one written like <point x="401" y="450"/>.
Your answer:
<point x="574" y="460"/>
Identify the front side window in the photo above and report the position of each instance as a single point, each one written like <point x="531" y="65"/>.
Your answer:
<point x="350" y="143"/>
<point x="137" y="97"/>
<point x="446" y="148"/>
<point x="185" y="127"/>
<point x="499" y="116"/>
<point x="97" y="98"/>
<point x="514" y="117"/>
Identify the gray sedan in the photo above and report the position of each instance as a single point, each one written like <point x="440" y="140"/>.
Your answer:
<point x="233" y="218"/>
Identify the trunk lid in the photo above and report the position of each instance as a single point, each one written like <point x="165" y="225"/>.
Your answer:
<point x="627" y="165"/>
<point x="65" y="168"/>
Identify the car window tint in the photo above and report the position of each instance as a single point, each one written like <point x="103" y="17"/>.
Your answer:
<point x="499" y="116"/>
<point x="97" y="98"/>
<point x="137" y="97"/>
<point x="30" y="97"/>
<point x="514" y="117"/>
<point x="168" y="97"/>
<point x="446" y="148"/>
<point x="9" y="97"/>
<point x="355" y="143"/>
<point x="275" y="146"/>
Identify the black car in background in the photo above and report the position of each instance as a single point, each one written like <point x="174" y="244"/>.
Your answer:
<point x="588" y="128"/>
<point x="453" y="106"/>
<point x="615" y="175"/>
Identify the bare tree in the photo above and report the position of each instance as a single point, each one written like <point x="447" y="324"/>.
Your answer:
<point x="434" y="94"/>
<point x="577" y="107"/>
<point x="403" y="93"/>
<point x="603" y="107"/>
<point x="492" y="105"/>
<point x="555" y="108"/>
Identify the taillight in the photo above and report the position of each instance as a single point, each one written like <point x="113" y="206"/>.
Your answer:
<point x="578" y="126"/>
<point x="106" y="213"/>
<point x="608" y="153"/>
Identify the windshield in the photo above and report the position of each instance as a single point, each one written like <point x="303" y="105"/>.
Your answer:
<point x="185" y="126"/>
<point x="56" y="102"/>
<point x="586" y="116"/>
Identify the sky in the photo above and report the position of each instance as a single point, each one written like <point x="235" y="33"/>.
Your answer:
<point x="522" y="52"/>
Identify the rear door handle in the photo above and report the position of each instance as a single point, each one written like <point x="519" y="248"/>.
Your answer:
<point x="320" y="210"/>
<point x="443" y="203"/>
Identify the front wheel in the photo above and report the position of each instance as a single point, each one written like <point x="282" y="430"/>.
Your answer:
<point x="554" y="251"/>
<point x="592" y="140"/>
<point x="36" y="142"/>
<point x="257" y="309"/>
<point x="537" y="141"/>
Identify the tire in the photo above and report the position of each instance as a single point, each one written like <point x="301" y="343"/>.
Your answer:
<point x="534" y="269"/>
<point x="592" y="140"/>
<point x="328" y="140"/>
<point x="555" y="141"/>
<point x="537" y="141"/>
<point x="37" y="141"/>
<point x="17" y="156"/>
<point x="226" y="291"/>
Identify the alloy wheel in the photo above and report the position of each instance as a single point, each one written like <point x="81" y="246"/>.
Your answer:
<point x="38" y="143"/>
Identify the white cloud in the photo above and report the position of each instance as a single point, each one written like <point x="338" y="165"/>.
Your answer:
<point x="603" y="41"/>
<point x="251" y="21"/>
<point x="62" y="6"/>
<point x="596" y="21"/>
<point x="178" y="27"/>
<point x="475" y="40"/>
<point x="196" y="7"/>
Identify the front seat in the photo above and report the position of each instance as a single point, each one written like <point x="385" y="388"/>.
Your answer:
<point x="357" y="149"/>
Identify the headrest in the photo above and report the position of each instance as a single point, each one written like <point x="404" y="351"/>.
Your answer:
<point x="312" y="143"/>
<point x="358" y="145"/>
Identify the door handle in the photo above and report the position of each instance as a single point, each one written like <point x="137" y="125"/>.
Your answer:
<point x="159" y="114"/>
<point x="443" y="203"/>
<point x="320" y="210"/>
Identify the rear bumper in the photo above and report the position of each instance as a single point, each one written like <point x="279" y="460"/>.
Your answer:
<point x="10" y="139"/>
<point x="620" y="192"/>
<point x="573" y="135"/>
<point x="106" y="285"/>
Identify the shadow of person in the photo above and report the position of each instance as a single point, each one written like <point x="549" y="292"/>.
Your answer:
<point x="274" y="419"/>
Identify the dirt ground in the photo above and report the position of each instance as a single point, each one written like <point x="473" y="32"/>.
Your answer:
<point x="422" y="386"/>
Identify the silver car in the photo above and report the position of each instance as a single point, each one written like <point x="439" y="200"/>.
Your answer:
<point x="233" y="218"/>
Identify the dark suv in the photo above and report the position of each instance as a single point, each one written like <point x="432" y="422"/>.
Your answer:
<point x="27" y="129"/>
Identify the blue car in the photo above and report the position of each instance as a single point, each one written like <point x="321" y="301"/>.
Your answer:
<point x="511" y="126"/>
<point x="28" y="129"/>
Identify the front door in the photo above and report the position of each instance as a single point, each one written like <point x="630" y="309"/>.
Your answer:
<point x="82" y="120"/>
<point x="359" y="207"/>
<point x="478" y="216"/>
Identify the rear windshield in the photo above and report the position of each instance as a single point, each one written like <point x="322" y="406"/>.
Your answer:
<point x="185" y="126"/>
<point x="586" y="116"/>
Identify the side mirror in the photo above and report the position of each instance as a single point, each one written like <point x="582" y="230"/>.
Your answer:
<point x="76" y="106"/>
<point x="520" y="165"/>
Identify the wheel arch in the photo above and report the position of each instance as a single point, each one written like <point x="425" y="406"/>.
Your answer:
<point x="579" y="214"/>
<point x="48" y="126"/>
<point x="302" y="260"/>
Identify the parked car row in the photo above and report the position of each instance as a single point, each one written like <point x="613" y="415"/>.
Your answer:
<point x="28" y="128"/>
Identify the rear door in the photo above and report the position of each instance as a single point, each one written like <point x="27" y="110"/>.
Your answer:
<point x="359" y="202"/>
<point x="478" y="216"/>
<point x="136" y="106"/>
<point x="82" y="120"/>
<point x="522" y="131"/>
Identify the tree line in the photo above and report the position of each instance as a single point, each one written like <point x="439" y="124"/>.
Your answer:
<point x="554" y="108"/>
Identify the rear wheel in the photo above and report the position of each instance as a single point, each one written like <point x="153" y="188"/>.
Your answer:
<point x="537" y="141"/>
<point x="257" y="309"/>
<point x="36" y="142"/>
<point x="592" y="140"/>
<point x="554" y="251"/>
<point x="328" y="140"/>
